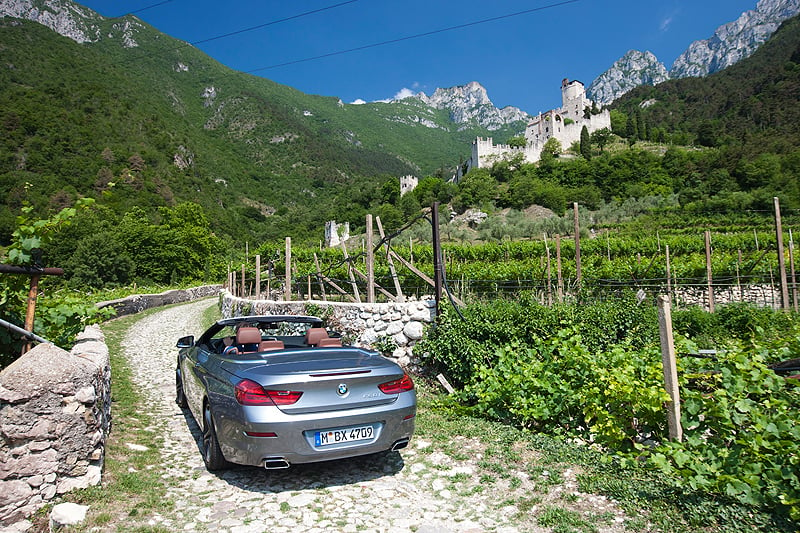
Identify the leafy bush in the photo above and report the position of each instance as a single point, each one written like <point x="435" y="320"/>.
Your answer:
<point x="740" y="321"/>
<point x="59" y="316"/>
<point x="557" y="385"/>
<point x="458" y="345"/>
<point x="742" y="437"/>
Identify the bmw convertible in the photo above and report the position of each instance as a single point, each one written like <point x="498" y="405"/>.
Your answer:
<point x="273" y="391"/>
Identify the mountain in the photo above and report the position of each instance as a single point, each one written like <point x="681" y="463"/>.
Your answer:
<point x="470" y="104"/>
<point x="116" y="110"/>
<point x="632" y="70"/>
<point x="730" y="43"/>
<point x="750" y="108"/>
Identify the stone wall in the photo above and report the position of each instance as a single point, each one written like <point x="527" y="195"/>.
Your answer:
<point x="760" y="295"/>
<point x="393" y="328"/>
<point x="55" y="413"/>
<point x="140" y="302"/>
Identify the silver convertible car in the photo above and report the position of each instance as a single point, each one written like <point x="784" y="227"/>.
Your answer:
<point x="273" y="391"/>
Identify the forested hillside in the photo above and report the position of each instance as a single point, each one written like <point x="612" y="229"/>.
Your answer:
<point x="161" y="123"/>
<point x="751" y="105"/>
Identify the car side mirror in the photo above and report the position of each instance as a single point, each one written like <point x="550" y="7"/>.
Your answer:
<point x="186" y="342"/>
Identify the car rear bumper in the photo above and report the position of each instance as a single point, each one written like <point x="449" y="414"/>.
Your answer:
<point x="295" y="439"/>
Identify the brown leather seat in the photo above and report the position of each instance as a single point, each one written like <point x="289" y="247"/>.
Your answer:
<point x="269" y="345"/>
<point x="329" y="341"/>
<point x="247" y="339"/>
<point x="314" y="335"/>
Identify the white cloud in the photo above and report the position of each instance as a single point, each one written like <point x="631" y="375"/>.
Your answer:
<point x="665" y="23"/>
<point x="404" y="93"/>
<point x="358" y="101"/>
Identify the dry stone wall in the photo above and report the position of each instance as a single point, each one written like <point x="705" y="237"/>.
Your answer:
<point x="140" y="302"/>
<point x="55" y="413"/>
<point x="392" y="328"/>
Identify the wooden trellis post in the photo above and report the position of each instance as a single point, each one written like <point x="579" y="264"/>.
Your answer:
<point x="389" y="259"/>
<point x="258" y="277"/>
<point x="669" y="361"/>
<point x="287" y="289"/>
<point x="708" y="273"/>
<point x="350" y="273"/>
<point x="781" y="261"/>
<point x="35" y="273"/>
<point x="577" y="244"/>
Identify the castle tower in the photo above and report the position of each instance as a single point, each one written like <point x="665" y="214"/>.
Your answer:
<point x="573" y="99"/>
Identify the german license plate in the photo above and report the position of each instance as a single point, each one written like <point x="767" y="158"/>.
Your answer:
<point x="338" y="436"/>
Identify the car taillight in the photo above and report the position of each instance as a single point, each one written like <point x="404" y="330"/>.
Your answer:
<point x="397" y="386"/>
<point x="284" y="397"/>
<point x="249" y="392"/>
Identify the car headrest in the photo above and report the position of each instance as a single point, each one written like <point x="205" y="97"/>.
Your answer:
<point x="248" y="335"/>
<point x="313" y="335"/>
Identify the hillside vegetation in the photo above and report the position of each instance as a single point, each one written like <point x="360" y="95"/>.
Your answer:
<point x="162" y="123"/>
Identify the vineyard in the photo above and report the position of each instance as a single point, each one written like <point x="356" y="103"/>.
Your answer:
<point x="671" y="256"/>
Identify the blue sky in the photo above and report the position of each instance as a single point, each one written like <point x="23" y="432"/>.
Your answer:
<point x="520" y="59"/>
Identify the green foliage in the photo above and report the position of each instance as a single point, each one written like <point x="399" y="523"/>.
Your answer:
<point x="459" y="346"/>
<point x="59" y="315"/>
<point x="742" y="434"/>
<point x="559" y="386"/>
<point x="557" y="371"/>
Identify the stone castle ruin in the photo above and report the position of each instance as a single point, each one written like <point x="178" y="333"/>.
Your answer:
<point x="564" y="124"/>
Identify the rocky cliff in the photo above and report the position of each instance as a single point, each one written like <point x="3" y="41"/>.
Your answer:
<point x="730" y="43"/>
<point x="62" y="16"/>
<point x="631" y="70"/>
<point x="470" y="104"/>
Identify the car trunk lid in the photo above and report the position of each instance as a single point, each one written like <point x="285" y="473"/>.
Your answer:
<point x="330" y="379"/>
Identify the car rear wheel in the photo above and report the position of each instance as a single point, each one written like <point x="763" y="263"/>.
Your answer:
<point x="212" y="455"/>
<point x="180" y="395"/>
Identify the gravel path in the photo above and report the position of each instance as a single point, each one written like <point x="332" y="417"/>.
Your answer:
<point x="421" y="489"/>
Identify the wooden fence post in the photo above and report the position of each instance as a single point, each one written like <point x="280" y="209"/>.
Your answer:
<point x="437" y="257"/>
<point x="560" y="286"/>
<point x="549" y="274"/>
<point x="258" y="277"/>
<point x="287" y="288"/>
<point x="577" y="244"/>
<point x="669" y="268"/>
<point x="321" y="282"/>
<point x="350" y="273"/>
<point x="781" y="260"/>
<point x="370" y="263"/>
<point x="669" y="362"/>
<point x="791" y="267"/>
<point x="708" y="273"/>
<point x="244" y="287"/>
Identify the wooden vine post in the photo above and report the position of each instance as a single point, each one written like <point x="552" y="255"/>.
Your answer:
<point x="781" y="261"/>
<point x="708" y="273"/>
<point x="370" y="263"/>
<point x="437" y="256"/>
<point x="560" y="286"/>
<point x="35" y="273"/>
<point x="577" y="245"/>
<point x="287" y="287"/>
<point x="791" y="267"/>
<point x="669" y="362"/>
<point x="258" y="277"/>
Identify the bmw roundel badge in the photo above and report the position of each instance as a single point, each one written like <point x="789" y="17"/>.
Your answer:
<point x="342" y="389"/>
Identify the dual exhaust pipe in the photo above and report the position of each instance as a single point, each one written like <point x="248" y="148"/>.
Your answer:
<point x="279" y="463"/>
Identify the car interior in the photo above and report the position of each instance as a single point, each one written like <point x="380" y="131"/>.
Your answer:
<point x="249" y="338"/>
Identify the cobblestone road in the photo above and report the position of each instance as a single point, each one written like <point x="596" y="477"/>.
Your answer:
<point x="420" y="489"/>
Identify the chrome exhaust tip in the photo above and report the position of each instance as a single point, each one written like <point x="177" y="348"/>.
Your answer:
<point x="399" y="445"/>
<point x="275" y="463"/>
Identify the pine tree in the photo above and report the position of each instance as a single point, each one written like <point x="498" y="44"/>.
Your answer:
<point x="586" y="144"/>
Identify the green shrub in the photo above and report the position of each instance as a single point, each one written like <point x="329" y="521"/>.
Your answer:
<point x="557" y="385"/>
<point x="742" y="437"/>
